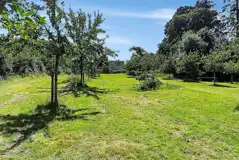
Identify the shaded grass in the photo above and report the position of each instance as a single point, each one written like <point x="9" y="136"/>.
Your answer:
<point x="179" y="121"/>
<point x="28" y="124"/>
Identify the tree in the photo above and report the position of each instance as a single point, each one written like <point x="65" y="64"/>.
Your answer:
<point x="231" y="58"/>
<point x="190" y="65"/>
<point x="231" y="68"/>
<point x="137" y="51"/>
<point x="214" y="63"/>
<point x="55" y="32"/>
<point x="84" y="33"/>
<point x="169" y="66"/>
<point x="201" y="20"/>
<point x="142" y="61"/>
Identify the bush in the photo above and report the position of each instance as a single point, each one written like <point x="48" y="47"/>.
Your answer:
<point x="151" y="83"/>
<point x="142" y="77"/>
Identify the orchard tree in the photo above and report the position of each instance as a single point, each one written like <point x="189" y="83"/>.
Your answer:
<point x="55" y="31"/>
<point x="231" y="68"/>
<point x="232" y="58"/>
<point x="214" y="63"/>
<point x="84" y="32"/>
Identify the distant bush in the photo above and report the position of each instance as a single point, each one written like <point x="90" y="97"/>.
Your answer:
<point x="142" y="77"/>
<point x="149" y="82"/>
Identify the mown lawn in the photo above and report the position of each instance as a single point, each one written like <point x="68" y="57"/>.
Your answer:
<point x="112" y="120"/>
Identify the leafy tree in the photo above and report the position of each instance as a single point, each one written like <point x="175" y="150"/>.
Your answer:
<point x="169" y="66"/>
<point x="137" y="51"/>
<point x="231" y="68"/>
<point x="231" y="58"/>
<point x="84" y="33"/>
<point x="190" y="65"/>
<point x="214" y="63"/>
<point x="55" y="31"/>
<point x="199" y="21"/>
<point x="142" y="61"/>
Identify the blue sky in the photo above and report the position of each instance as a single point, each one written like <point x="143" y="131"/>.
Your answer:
<point x="133" y="22"/>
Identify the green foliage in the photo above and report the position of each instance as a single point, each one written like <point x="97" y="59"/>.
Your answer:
<point x="88" y="51"/>
<point x="149" y="82"/>
<point x="214" y="61"/>
<point x="192" y="29"/>
<point x="190" y="65"/>
<point x="22" y="18"/>
<point x="231" y="67"/>
<point x="169" y="65"/>
<point x="142" y="61"/>
<point x="192" y="42"/>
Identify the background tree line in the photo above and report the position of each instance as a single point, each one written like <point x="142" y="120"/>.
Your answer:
<point x="199" y="44"/>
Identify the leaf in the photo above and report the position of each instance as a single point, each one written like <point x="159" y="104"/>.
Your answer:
<point x="29" y="19"/>
<point x="13" y="7"/>
<point x="30" y="13"/>
<point x="42" y="20"/>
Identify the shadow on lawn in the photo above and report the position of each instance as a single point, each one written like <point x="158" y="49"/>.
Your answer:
<point x="236" y="109"/>
<point x="222" y="86"/>
<point x="28" y="124"/>
<point x="77" y="90"/>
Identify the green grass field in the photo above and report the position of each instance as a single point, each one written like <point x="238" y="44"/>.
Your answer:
<point x="113" y="120"/>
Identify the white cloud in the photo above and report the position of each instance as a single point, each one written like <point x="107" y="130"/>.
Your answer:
<point x="118" y="40"/>
<point x="157" y="14"/>
<point x="161" y="13"/>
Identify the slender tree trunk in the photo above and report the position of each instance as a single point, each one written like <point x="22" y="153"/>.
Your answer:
<point x="232" y="78"/>
<point x="237" y="18"/>
<point x="214" y="81"/>
<point x="52" y="87"/>
<point x="82" y="71"/>
<point x="56" y="78"/>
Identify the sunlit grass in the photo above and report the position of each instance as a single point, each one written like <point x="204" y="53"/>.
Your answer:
<point x="179" y="121"/>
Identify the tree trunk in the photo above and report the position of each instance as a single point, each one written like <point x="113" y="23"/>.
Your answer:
<point x="82" y="71"/>
<point x="237" y="19"/>
<point x="232" y="78"/>
<point x="52" y="87"/>
<point x="56" y="79"/>
<point x="214" y="76"/>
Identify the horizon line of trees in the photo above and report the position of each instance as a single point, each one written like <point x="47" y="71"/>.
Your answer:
<point x="199" y="43"/>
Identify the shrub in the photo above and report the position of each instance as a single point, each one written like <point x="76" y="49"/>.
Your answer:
<point x="150" y="83"/>
<point x="142" y="77"/>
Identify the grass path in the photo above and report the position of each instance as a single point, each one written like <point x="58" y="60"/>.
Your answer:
<point x="112" y="120"/>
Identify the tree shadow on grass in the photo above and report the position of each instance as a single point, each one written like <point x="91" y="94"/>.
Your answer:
<point x="222" y="86"/>
<point x="236" y="109"/>
<point x="28" y="124"/>
<point x="77" y="90"/>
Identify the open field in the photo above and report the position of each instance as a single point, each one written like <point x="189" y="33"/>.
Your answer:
<point x="112" y="120"/>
